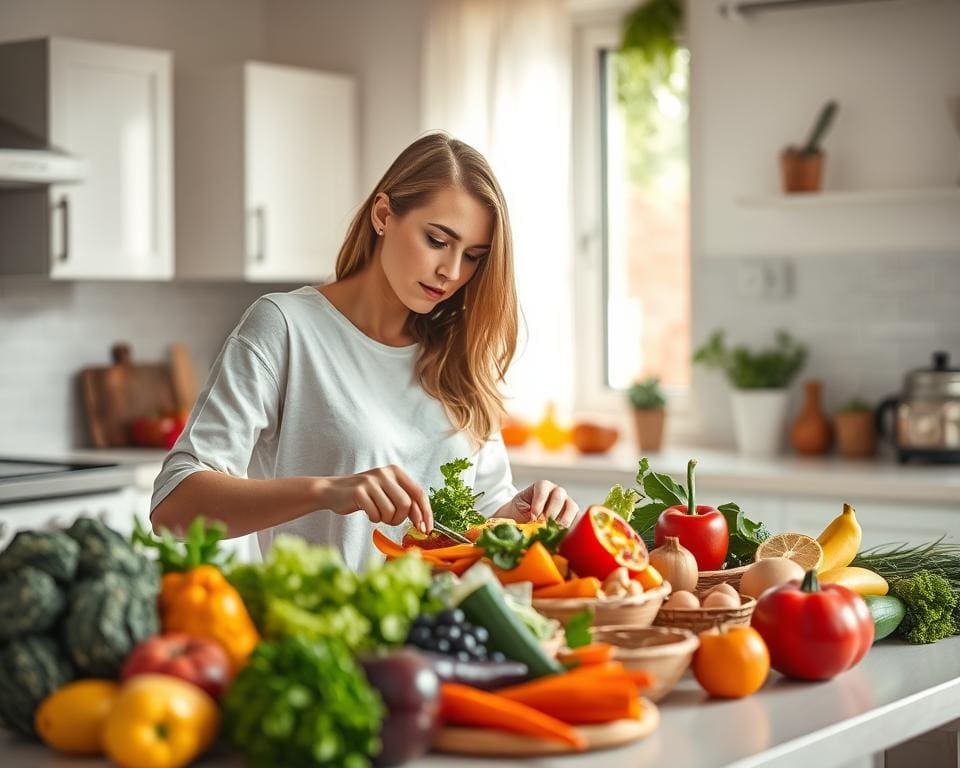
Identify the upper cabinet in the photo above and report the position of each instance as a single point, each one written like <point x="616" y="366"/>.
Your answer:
<point x="110" y="106"/>
<point x="266" y="172"/>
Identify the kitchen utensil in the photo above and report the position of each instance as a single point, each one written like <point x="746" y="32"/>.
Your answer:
<point x="926" y="415"/>
<point x="450" y="533"/>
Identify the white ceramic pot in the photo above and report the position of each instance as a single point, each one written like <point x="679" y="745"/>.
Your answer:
<point x="759" y="420"/>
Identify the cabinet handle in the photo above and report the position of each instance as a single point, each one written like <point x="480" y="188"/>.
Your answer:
<point x="64" y="206"/>
<point x="260" y="213"/>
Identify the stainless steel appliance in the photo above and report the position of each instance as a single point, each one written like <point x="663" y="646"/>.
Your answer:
<point x="926" y="415"/>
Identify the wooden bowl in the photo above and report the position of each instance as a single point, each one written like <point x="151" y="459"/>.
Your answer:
<point x="731" y="576"/>
<point x="664" y="652"/>
<point x="699" y="619"/>
<point x="631" y="610"/>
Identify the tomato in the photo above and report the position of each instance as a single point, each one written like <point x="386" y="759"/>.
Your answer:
<point x="159" y="431"/>
<point x="71" y="718"/>
<point x="200" y="661"/>
<point x="731" y="662"/>
<point x="593" y="438"/>
<point x="161" y="722"/>
<point x="515" y="433"/>
<point x="600" y="542"/>
<point x="813" y="631"/>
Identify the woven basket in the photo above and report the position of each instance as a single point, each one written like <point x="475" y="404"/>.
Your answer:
<point x="732" y="576"/>
<point x="700" y="619"/>
<point x="632" y="610"/>
<point x="664" y="652"/>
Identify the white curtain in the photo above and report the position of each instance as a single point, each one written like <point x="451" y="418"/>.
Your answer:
<point x="497" y="75"/>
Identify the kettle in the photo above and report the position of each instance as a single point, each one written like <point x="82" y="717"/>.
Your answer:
<point x="926" y="415"/>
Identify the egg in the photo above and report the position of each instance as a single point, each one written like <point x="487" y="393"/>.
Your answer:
<point x="683" y="600"/>
<point x="725" y="588"/>
<point x="721" y="599"/>
<point x="767" y="573"/>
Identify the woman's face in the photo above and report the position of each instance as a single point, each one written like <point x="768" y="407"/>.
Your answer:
<point x="431" y="252"/>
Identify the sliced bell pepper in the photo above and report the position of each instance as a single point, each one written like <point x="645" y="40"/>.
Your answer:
<point x="602" y="541"/>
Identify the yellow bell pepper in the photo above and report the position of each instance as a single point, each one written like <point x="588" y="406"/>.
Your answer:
<point x="861" y="580"/>
<point x="159" y="721"/>
<point x="202" y="603"/>
<point x="840" y="540"/>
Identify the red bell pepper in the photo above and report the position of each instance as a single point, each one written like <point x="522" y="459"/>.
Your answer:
<point x="813" y="631"/>
<point x="703" y="531"/>
<point x="600" y="542"/>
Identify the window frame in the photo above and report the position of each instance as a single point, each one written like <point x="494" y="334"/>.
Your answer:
<point x="591" y="35"/>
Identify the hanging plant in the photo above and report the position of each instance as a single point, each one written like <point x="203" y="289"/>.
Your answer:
<point x="651" y="31"/>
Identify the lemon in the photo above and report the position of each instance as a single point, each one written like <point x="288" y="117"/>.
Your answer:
<point x="804" y="550"/>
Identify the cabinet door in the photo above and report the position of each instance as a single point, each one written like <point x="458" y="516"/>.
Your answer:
<point x="300" y="170"/>
<point x="110" y="105"/>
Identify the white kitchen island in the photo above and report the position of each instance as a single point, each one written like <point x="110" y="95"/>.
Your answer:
<point x="898" y="692"/>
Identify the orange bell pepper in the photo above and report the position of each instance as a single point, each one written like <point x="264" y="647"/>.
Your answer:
<point x="649" y="577"/>
<point x="201" y="602"/>
<point x="535" y="566"/>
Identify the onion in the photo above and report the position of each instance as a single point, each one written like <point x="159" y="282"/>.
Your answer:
<point x="676" y="564"/>
<point x="767" y="573"/>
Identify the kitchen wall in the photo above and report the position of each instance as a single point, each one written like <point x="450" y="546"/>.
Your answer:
<point x="48" y="330"/>
<point x="879" y="305"/>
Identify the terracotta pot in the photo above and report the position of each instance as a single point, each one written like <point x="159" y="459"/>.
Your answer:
<point x="801" y="172"/>
<point x="811" y="432"/>
<point x="649" y="428"/>
<point x="856" y="435"/>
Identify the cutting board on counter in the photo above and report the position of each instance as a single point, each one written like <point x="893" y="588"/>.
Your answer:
<point x="491" y="743"/>
<point x="114" y="396"/>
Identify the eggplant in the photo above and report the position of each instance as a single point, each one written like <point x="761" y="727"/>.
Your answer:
<point x="486" y="675"/>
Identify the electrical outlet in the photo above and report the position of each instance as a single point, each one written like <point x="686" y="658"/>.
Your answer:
<point x="764" y="278"/>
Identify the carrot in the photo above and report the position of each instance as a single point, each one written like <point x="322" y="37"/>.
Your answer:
<point x="536" y="566"/>
<point x="587" y="586"/>
<point x="614" y="670"/>
<point x="585" y="655"/>
<point x="577" y="699"/>
<point x="460" y="566"/>
<point x="455" y="552"/>
<point x="391" y="549"/>
<point x="463" y="705"/>
<point x="563" y="565"/>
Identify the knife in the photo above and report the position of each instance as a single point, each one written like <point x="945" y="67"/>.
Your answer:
<point x="450" y="533"/>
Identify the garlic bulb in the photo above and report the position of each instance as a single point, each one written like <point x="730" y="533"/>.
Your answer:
<point x="676" y="564"/>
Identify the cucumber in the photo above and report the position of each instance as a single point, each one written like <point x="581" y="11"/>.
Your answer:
<point x="486" y="607"/>
<point x="888" y="612"/>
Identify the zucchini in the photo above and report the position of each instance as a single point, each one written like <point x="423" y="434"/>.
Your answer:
<point x="888" y="611"/>
<point x="486" y="607"/>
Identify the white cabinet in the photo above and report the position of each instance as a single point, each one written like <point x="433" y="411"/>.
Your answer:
<point x="266" y="172"/>
<point x="110" y="106"/>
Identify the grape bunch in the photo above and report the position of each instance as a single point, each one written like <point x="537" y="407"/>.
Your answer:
<point x="448" y="632"/>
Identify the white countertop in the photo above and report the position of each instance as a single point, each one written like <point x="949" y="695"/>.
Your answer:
<point x="898" y="692"/>
<point x="881" y="479"/>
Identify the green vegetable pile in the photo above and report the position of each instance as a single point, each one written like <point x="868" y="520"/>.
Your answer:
<point x="307" y="591"/>
<point x="642" y="506"/>
<point x="930" y="607"/>
<point x="454" y="505"/>
<point x="303" y="703"/>
<point x="504" y="543"/>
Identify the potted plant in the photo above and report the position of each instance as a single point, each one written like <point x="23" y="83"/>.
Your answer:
<point x="760" y="381"/>
<point x="648" y="403"/>
<point x="856" y="432"/>
<point x="802" y="167"/>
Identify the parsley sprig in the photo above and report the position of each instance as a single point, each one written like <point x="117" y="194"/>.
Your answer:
<point x="454" y="505"/>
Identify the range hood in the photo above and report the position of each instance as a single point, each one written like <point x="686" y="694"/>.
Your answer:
<point x="28" y="161"/>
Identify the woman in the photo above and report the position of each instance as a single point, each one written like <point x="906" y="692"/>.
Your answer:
<point x="330" y="409"/>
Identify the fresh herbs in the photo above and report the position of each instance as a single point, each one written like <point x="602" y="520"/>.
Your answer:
<point x="454" y="505"/>
<point x="505" y="543"/>
<point x="301" y="702"/>
<point x="897" y="561"/>
<point x="772" y="367"/>
<point x="200" y="545"/>
<point x="657" y="492"/>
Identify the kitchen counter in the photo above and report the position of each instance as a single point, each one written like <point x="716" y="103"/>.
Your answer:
<point x="786" y="475"/>
<point x="898" y="692"/>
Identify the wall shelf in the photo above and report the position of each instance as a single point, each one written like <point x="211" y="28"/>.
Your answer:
<point x="831" y="198"/>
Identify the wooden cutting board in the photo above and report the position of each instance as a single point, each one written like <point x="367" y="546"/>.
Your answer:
<point x="114" y="396"/>
<point x="493" y="743"/>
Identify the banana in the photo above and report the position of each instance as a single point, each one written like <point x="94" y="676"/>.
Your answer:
<point x="840" y="540"/>
<point x="860" y="580"/>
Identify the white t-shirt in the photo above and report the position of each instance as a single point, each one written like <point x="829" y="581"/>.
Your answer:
<point x="299" y="390"/>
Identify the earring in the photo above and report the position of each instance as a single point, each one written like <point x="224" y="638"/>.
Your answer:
<point x="380" y="232"/>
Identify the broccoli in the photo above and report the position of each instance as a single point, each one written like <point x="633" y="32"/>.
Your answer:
<point x="930" y="603"/>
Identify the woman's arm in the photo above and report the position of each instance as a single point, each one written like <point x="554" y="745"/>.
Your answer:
<point x="384" y="494"/>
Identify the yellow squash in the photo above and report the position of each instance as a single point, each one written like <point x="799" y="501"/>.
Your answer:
<point x="860" y="580"/>
<point x="840" y="540"/>
<point x="71" y="718"/>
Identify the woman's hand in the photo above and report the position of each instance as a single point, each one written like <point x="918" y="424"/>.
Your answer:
<point x="541" y="501"/>
<point x="385" y="495"/>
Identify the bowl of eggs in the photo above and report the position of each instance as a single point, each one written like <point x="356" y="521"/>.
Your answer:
<point x="720" y="604"/>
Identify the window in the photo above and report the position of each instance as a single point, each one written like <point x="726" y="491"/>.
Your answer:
<point x="632" y="201"/>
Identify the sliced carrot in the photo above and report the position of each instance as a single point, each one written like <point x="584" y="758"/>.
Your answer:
<point x="536" y="566"/>
<point x="587" y="586"/>
<point x="563" y="565"/>
<point x="613" y="670"/>
<point x="459" y="567"/>
<point x="455" y="552"/>
<point x="578" y="699"/>
<point x="649" y="577"/>
<point x="387" y="545"/>
<point x="585" y="655"/>
<point x="463" y="705"/>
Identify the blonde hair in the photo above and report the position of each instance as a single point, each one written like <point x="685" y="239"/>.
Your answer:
<point x="469" y="340"/>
